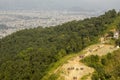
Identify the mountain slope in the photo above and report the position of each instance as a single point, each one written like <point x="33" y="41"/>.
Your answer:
<point x="28" y="54"/>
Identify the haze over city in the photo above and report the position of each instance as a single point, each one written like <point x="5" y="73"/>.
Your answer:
<point x="59" y="4"/>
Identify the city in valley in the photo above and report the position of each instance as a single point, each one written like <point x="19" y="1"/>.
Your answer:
<point x="12" y="21"/>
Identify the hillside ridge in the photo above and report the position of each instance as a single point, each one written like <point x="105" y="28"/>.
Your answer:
<point x="30" y="54"/>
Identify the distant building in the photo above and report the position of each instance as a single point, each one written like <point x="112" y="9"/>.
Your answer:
<point x="116" y="35"/>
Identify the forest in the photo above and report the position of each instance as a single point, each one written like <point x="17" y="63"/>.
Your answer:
<point x="28" y="54"/>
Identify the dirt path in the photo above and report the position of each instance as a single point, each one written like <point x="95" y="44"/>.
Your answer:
<point x="75" y="70"/>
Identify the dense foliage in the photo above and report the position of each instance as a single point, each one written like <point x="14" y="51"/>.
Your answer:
<point x="27" y="54"/>
<point x="107" y="67"/>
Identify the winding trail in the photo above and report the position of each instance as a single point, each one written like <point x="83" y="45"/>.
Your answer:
<point x="75" y="70"/>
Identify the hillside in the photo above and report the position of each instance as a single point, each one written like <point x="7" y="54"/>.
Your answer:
<point x="74" y="68"/>
<point x="28" y="54"/>
<point x="106" y="67"/>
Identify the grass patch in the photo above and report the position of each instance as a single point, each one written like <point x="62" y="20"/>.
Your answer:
<point x="85" y="77"/>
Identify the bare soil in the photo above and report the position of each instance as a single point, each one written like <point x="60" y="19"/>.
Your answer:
<point x="75" y="70"/>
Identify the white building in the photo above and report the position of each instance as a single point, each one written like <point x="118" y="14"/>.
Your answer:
<point x="116" y="35"/>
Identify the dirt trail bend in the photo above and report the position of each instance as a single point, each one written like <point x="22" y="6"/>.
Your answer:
<point x="75" y="70"/>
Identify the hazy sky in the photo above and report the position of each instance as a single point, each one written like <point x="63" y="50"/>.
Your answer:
<point x="60" y="4"/>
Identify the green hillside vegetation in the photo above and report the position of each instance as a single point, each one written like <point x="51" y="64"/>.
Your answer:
<point x="28" y="54"/>
<point x="107" y="67"/>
